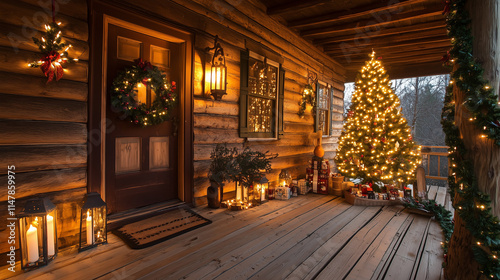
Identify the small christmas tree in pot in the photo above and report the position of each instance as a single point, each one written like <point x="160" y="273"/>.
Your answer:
<point x="376" y="144"/>
<point x="222" y="167"/>
<point x="251" y="166"/>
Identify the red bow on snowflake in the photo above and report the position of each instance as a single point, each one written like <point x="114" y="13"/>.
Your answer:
<point x="51" y="65"/>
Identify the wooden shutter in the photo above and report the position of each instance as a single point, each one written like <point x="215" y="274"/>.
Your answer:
<point x="281" y="100"/>
<point x="316" y="108"/>
<point x="244" y="56"/>
<point x="330" y="123"/>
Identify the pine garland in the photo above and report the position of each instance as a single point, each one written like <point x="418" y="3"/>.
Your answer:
<point x="307" y="97"/>
<point x="440" y="213"/>
<point x="473" y="205"/>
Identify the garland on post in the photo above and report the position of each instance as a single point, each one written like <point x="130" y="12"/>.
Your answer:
<point x="473" y="205"/>
<point x="124" y="94"/>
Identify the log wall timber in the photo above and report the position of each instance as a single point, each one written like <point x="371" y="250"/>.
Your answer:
<point x="43" y="130"/>
<point x="241" y="25"/>
<point x="43" y="127"/>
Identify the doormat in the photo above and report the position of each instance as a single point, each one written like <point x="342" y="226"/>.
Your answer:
<point x="159" y="228"/>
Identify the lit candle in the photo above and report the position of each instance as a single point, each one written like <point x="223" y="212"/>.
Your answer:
<point x="50" y="235"/>
<point x="32" y="244"/>
<point x="90" y="235"/>
<point x="263" y="194"/>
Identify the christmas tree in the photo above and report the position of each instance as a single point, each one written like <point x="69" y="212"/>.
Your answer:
<point x="376" y="143"/>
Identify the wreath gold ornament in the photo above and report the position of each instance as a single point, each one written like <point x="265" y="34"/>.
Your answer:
<point x="124" y="94"/>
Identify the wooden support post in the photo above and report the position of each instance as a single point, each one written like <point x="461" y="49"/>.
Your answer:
<point x="484" y="153"/>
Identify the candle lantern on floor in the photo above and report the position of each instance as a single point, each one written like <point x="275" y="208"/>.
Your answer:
<point x="37" y="233"/>
<point x="261" y="194"/>
<point x="92" y="222"/>
<point x="285" y="179"/>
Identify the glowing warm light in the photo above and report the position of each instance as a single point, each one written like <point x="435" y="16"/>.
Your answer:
<point x="376" y="141"/>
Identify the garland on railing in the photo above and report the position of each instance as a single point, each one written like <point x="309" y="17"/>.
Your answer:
<point x="473" y="205"/>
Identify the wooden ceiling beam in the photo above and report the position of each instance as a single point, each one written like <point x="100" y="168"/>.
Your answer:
<point x="392" y="39"/>
<point x="428" y="42"/>
<point x="372" y="23"/>
<point x="360" y="11"/>
<point x="294" y="6"/>
<point x="404" y="60"/>
<point x="406" y="71"/>
<point x="362" y="33"/>
<point x="401" y="54"/>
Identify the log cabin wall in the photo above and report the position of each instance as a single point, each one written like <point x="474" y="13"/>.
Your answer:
<point x="241" y="25"/>
<point x="43" y="130"/>
<point x="43" y="127"/>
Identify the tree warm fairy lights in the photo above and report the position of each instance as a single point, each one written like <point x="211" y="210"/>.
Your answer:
<point x="376" y="143"/>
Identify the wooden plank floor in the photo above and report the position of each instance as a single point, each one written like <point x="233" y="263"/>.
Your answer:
<point x="308" y="237"/>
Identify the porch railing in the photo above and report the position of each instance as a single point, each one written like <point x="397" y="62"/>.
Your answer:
<point x="435" y="162"/>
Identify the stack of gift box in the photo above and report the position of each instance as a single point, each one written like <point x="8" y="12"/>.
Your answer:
<point x="318" y="174"/>
<point x="388" y="192"/>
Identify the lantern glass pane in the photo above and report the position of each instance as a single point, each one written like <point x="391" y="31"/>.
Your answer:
<point x="218" y="78"/>
<point x="100" y="224"/>
<point x="51" y="234"/>
<point x="31" y="229"/>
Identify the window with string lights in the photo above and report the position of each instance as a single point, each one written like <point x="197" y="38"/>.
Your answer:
<point x="261" y="97"/>
<point x="323" y="112"/>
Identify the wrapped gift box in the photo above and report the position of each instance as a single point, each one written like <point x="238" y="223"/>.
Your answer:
<point x="283" y="193"/>
<point x="302" y="185"/>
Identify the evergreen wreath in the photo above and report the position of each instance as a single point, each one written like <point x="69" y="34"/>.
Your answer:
<point x="124" y="93"/>
<point x="307" y="97"/>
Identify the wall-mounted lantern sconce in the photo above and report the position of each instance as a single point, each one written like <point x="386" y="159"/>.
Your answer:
<point x="37" y="233"/>
<point x="218" y="73"/>
<point x="92" y="222"/>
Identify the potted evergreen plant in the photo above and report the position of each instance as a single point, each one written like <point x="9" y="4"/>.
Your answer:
<point x="251" y="166"/>
<point x="222" y="167"/>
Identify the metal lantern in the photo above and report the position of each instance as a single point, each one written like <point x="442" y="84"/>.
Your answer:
<point x="218" y="73"/>
<point x="261" y="191"/>
<point x="285" y="179"/>
<point x="93" y="222"/>
<point x="37" y="233"/>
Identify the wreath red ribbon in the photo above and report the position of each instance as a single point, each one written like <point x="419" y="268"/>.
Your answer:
<point x="50" y="66"/>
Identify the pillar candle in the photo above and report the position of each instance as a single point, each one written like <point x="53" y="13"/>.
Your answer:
<point x="50" y="235"/>
<point x="90" y="235"/>
<point x="263" y="194"/>
<point x="32" y="244"/>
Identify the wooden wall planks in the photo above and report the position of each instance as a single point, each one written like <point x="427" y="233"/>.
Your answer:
<point x="43" y="130"/>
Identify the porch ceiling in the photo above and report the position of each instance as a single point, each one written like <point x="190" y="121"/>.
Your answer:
<point x="410" y="35"/>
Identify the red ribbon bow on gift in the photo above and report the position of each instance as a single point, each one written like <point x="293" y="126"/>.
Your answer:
<point x="51" y="66"/>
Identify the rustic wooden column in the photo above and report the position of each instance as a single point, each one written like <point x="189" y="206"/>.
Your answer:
<point x="485" y="154"/>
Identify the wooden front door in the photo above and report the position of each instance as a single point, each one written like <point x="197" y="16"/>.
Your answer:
<point x="141" y="162"/>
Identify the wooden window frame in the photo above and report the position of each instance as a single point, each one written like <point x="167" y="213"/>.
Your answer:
<point x="277" y="129"/>
<point x="329" y="120"/>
